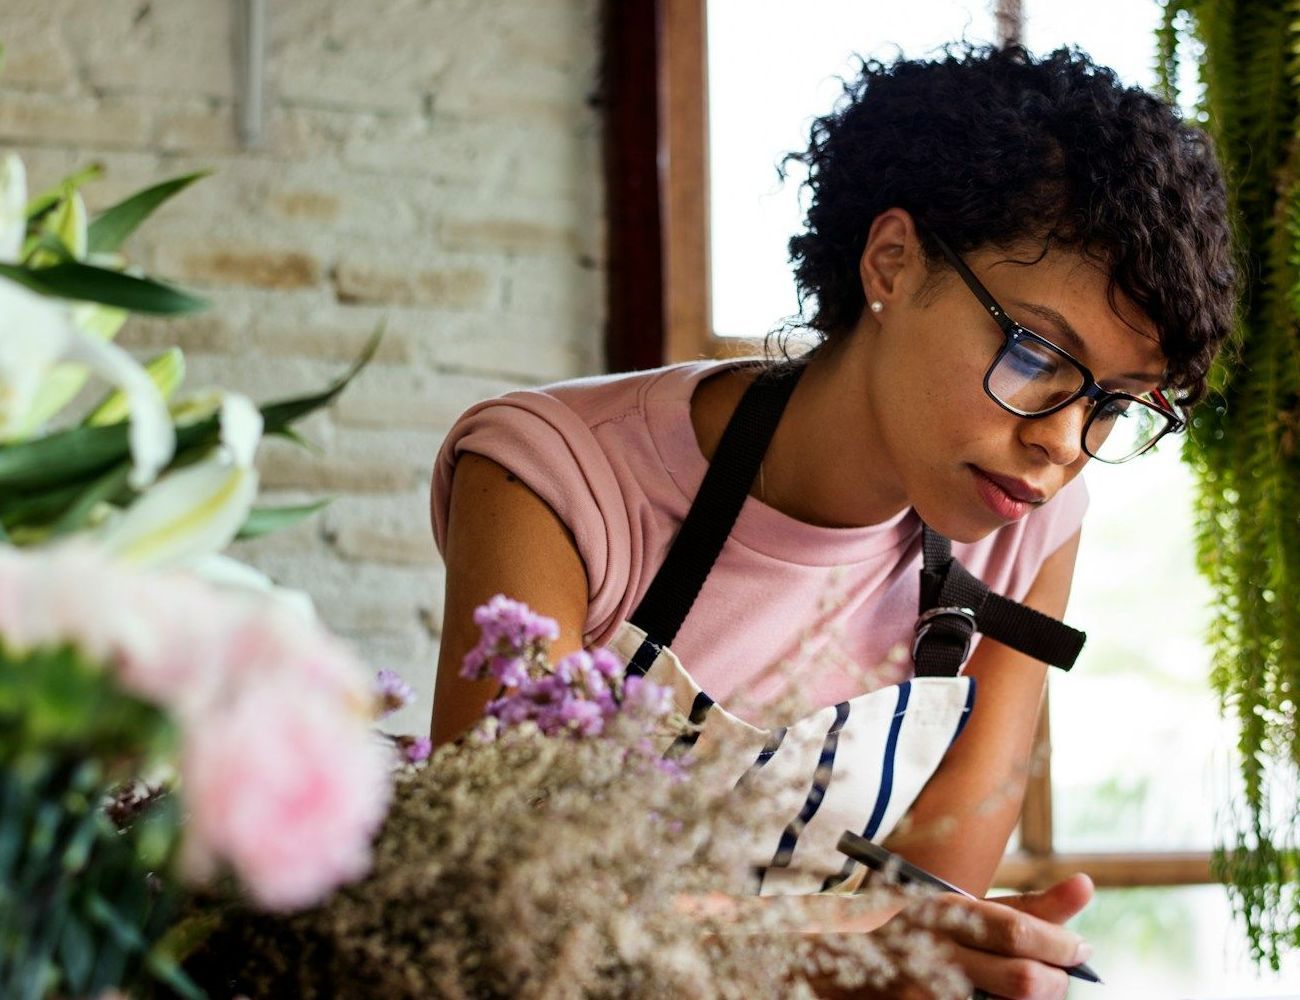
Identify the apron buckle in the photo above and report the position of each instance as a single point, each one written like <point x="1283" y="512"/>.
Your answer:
<point x="964" y="626"/>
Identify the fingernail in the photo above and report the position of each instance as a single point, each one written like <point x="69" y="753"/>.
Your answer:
<point x="1082" y="953"/>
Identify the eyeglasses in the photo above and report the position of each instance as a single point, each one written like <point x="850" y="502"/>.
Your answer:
<point x="1032" y="377"/>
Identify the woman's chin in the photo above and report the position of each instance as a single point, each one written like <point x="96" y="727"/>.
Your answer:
<point x="963" y="526"/>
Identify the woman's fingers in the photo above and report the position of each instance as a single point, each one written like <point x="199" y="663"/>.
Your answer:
<point x="1011" y="978"/>
<point x="1057" y="903"/>
<point x="1013" y="947"/>
<point x="990" y="926"/>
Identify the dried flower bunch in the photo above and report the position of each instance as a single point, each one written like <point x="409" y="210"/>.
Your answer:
<point x="551" y="855"/>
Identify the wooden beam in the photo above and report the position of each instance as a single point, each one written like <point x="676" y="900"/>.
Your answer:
<point x="684" y="179"/>
<point x="1025" y="872"/>
<point x="1036" y="815"/>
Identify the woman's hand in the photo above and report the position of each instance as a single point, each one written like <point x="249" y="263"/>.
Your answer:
<point x="1011" y="946"/>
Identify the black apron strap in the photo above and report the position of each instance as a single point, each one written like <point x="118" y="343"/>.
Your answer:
<point x="716" y="506"/>
<point x="954" y="605"/>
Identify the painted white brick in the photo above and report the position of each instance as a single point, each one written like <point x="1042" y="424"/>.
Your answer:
<point x="165" y="47"/>
<point x="430" y="165"/>
<point x="36" y="53"/>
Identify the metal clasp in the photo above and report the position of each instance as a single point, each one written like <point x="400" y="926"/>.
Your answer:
<point x="926" y="621"/>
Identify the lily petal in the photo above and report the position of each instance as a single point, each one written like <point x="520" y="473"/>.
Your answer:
<point x="224" y="571"/>
<point x="13" y="208"/>
<point x="188" y="513"/>
<point x="35" y="333"/>
<point x="61" y="385"/>
<point x="68" y="222"/>
<point x="241" y="427"/>
<point x="167" y="370"/>
<point x="153" y="439"/>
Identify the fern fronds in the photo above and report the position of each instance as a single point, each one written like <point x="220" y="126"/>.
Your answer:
<point x="1244" y="446"/>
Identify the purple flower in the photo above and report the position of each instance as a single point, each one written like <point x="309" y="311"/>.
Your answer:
<point x="578" y="716"/>
<point x="578" y="696"/>
<point x="512" y="622"/>
<point x="415" y="749"/>
<point x="646" y="699"/>
<point x="607" y="664"/>
<point x="471" y="667"/>
<point x="511" y="638"/>
<point x="392" y="692"/>
<point x="512" y="671"/>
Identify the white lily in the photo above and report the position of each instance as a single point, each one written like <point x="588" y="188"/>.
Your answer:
<point x="195" y="511"/>
<point x="167" y="370"/>
<point x="64" y="381"/>
<point x="223" y="571"/>
<point x="36" y="334"/>
<point x="13" y="208"/>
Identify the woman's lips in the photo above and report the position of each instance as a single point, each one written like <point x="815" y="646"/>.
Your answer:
<point x="998" y="496"/>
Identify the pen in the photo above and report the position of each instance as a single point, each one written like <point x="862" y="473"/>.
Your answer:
<point x="876" y="858"/>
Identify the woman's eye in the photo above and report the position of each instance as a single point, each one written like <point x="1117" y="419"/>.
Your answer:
<point x="1031" y="364"/>
<point x="1114" y="411"/>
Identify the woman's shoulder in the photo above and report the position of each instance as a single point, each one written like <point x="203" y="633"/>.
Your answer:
<point x="600" y="398"/>
<point x="568" y="413"/>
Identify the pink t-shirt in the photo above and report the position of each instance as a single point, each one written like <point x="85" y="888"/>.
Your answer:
<point x="616" y="458"/>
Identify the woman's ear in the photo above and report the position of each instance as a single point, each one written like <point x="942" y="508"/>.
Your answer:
<point x="891" y="255"/>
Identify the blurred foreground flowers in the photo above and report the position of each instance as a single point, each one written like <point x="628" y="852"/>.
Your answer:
<point x="114" y="682"/>
<point x="161" y="721"/>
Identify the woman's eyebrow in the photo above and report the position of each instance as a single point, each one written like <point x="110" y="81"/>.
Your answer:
<point x="1075" y="342"/>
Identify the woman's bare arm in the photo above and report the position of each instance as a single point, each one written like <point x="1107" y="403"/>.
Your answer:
<point x="501" y="539"/>
<point x="959" y="825"/>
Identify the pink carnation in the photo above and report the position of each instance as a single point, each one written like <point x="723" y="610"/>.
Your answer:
<point x="287" y="791"/>
<point x="283" y="780"/>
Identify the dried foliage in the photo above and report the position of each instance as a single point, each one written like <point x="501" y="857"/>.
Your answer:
<point x="542" y="867"/>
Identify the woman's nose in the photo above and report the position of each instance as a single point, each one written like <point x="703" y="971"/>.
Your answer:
<point x="1059" y="435"/>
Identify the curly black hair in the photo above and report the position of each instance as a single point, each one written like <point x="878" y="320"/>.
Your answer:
<point x="994" y="147"/>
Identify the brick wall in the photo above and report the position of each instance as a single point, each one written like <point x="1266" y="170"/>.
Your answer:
<point x="431" y="164"/>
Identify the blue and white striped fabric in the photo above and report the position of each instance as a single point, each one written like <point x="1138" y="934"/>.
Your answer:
<point x="858" y="765"/>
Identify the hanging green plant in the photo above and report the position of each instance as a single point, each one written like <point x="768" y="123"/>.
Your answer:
<point x="1243" y="441"/>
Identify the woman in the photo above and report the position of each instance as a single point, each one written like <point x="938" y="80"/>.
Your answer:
<point x="1013" y="265"/>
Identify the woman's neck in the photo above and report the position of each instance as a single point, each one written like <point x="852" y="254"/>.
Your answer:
<point x="825" y="465"/>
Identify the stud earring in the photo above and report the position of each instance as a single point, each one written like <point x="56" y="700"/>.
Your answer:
<point x="877" y="306"/>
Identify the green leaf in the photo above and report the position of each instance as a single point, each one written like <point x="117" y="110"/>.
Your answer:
<point x="264" y="520"/>
<point x="57" y="459"/>
<point x="85" y="282"/>
<point x="110" y="486"/>
<point x="61" y="462"/>
<point x="65" y="459"/>
<point x="77" y="955"/>
<point x="46" y="200"/>
<point x="109" y="229"/>
<point x="306" y="444"/>
<point x="167" y="970"/>
<point x="280" y="415"/>
<point x="45" y="249"/>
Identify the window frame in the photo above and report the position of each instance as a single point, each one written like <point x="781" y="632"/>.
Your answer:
<point x="657" y="184"/>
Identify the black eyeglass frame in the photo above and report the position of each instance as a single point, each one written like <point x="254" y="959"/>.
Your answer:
<point x="1090" y="389"/>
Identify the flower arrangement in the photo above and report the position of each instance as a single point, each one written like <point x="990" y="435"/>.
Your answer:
<point x="549" y="854"/>
<point x="162" y="721"/>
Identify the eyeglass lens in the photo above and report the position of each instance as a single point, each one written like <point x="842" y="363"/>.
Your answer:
<point x="1123" y="428"/>
<point x="1030" y="378"/>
